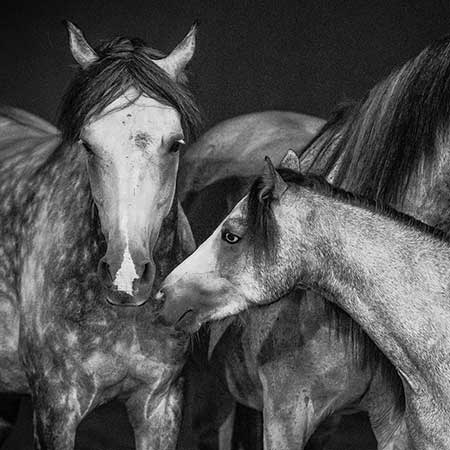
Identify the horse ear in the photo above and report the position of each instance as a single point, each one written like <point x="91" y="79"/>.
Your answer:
<point x="290" y="161"/>
<point x="81" y="50"/>
<point x="179" y="57"/>
<point x="273" y="185"/>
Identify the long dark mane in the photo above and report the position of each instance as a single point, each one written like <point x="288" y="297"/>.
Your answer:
<point x="377" y="148"/>
<point x="123" y="63"/>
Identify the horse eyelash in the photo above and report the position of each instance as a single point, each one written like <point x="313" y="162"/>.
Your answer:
<point x="175" y="147"/>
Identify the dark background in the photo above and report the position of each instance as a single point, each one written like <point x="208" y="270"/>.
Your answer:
<point x="304" y="55"/>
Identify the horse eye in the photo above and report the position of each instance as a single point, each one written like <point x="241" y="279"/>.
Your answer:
<point x="230" y="237"/>
<point x="175" y="147"/>
<point x="88" y="148"/>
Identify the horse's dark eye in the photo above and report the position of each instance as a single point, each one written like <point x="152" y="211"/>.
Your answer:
<point x="88" y="149"/>
<point x="230" y="237"/>
<point x="175" y="147"/>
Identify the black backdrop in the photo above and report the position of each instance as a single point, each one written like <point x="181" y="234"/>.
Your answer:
<point x="303" y="55"/>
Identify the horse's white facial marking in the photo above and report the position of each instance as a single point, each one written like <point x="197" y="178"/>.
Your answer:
<point x="127" y="273"/>
<point x="132" y="173"/>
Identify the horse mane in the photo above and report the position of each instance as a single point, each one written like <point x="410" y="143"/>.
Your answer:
<point x="376" y="146"/>
<point x="123" y="63"/>
<point x="263" y="227"/>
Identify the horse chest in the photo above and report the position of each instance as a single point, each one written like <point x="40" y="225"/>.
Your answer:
<point x="126" y="363"/>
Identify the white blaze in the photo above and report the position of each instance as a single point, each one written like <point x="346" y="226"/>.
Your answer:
<point x="127" y="272"/>
<point x="128" y="186"/>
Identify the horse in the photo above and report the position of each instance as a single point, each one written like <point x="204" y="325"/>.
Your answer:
<point x="232" y="147"/>
<point x="382" y="267"/>
<point x="239" y="354"/>
<point x="391" y="145"/>
<point x="90" y="226"/>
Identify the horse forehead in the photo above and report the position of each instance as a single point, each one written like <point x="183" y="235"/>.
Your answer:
<point x="143" y="114"/>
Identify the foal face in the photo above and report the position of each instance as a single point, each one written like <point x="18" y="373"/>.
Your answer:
<point x="222" y="277"/>
<point x="132" y="161"/>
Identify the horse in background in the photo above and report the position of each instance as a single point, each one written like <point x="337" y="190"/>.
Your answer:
<point x="90" y="226"/>
<point x="391" y="145"/>
<point x="222" y="162"/>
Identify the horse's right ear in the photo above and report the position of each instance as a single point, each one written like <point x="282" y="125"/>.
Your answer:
<point x="290" y="161"/>
<point x="82" y="52"/>
<point x="273" y="185"/>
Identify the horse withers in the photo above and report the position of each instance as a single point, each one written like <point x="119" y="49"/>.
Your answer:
<point x="90" y="226"/>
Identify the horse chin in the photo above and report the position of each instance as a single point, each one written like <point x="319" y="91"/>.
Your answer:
<point x="120" y="298"/>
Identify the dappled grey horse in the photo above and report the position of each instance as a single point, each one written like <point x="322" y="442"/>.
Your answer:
<point x="89" y="227"/>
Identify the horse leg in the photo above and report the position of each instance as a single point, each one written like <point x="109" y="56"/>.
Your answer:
<point x="59" y="406"/>
<point x="288" y="413"/>
<point x="226" y="429"/>
<point x="156" y="417"/>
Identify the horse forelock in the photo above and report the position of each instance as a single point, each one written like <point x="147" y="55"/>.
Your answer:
<point x="261" y="223"/>
<point x="123" y="64"/>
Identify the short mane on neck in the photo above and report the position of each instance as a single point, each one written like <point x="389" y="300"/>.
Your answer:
<point x="262" y="223"/>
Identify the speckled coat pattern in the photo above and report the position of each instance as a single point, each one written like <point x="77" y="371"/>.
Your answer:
<point x="59" y="338"/>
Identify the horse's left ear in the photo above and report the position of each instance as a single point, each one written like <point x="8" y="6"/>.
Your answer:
<point x="179" y="57"/>
<point x="82" y="52"/>
<point x="290" y="161"/>
<point x="274" y="185"/>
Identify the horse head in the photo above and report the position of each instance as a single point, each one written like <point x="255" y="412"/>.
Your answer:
<point x="129" y="111"/>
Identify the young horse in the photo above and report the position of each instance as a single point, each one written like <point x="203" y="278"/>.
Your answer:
<point x="301" y="352"/>
<point x="388" y="271"/>
<point x="392" y="144"/>
<point x="89" y="229"/>
<point x="241" y="353"/>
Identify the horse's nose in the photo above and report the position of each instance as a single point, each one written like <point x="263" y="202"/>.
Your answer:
<point x="104" y="273"/>
<point x="146" y="272"/>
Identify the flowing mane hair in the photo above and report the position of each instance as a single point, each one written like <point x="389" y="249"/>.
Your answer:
<point x="124" y="63"/>
<point x="377" y="148"/>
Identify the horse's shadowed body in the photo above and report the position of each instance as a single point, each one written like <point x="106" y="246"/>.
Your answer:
<point x="392" y="145"/>
<point x="65" y="339"/>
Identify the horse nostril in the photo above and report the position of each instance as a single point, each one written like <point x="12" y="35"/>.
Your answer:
<point x="104" y="273"/>
<point x="148" y="273"/>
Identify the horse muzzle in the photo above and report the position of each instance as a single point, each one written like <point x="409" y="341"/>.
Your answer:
<point x="138" y="290"/>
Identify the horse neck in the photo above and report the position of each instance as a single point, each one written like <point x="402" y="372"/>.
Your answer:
<point x="64" y="201"/>
<point x="390" y="278"/>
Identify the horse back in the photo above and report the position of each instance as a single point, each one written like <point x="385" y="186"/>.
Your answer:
<point x="26" y="141"/>
<point x="24" y="135"/>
